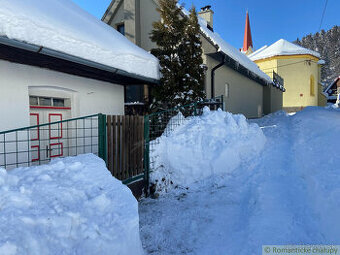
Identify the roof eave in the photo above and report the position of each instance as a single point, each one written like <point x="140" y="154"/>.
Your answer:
<point x="284" y="55"/>
<point x="239" y="68"/>
<point x="64" y="56"/>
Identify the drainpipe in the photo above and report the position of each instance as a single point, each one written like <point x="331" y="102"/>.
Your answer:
<point x="213" y="75"/>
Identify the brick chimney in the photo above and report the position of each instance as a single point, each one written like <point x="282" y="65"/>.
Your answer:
<point x="207" y="14"/>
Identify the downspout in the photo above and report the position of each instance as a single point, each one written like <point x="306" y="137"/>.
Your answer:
<point x="213" y="75"/>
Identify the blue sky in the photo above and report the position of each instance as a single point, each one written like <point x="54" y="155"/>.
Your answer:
<point x="270" y="20"/>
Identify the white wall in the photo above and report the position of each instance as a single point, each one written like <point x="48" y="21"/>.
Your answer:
<point x="88" y="96"/>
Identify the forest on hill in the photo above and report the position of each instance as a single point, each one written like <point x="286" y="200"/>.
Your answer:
<point x="327" y="43"/>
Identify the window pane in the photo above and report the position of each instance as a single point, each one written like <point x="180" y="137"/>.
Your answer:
<point x="33" y="100"/>
<point x="45" y="101"/>
<point x="121" y="29"/>
<point x="57" y="102"/>
<point x="134" y="94"/>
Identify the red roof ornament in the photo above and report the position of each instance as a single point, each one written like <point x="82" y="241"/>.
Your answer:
<point x="247" y="42"/>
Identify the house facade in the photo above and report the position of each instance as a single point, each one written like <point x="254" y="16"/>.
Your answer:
<point x="229" y="72"/>
<point x="332" y="91"/>
<point x="49" y="74"/>
<point x="299" y="67"/>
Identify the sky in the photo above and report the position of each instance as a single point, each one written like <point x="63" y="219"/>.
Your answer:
<point x="270" y="20"/>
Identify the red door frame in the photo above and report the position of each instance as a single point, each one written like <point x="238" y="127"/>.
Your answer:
<point x="61" y="125"/>
<point x="38" y="128"/>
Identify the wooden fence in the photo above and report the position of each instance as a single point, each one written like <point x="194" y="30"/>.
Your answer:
<point x="125" y="146"/>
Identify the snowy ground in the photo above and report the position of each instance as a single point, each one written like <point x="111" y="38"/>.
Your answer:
<point x="71" y="206"/>
<point x="289" y="195"/>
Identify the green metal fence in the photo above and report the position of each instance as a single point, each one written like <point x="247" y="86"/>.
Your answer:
<point x="36" y="145"/>
<point x="163" y="122"/>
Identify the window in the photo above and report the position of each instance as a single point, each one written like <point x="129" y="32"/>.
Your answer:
<point x="58" y="102"/>
<point x="312" y="86"/>
<point x="134" y="93"/>
<point x="226" y="91"/>
<point x="34" y="100"/>
<point x="45" y="101"/>
<point x="49" y="101"/>
<point x="121" y="29"/>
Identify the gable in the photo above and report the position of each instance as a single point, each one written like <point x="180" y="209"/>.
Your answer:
<point x="118" y="15"/>
<point x="111" y="10"/>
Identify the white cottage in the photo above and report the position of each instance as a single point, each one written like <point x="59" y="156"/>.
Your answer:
<point x="59" y="62"/>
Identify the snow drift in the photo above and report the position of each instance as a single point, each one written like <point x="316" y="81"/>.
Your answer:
<point x="215" y="143"/>
<point x="290" y="196"/>
<point x="71" y="206"/>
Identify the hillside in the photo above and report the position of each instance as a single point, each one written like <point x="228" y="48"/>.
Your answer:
<point x="327" y="43"/>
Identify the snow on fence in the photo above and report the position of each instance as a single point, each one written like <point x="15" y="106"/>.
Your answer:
<point x="162" y="123"/>
<point x="36" y="145"/>
<point x="118" y="140"/>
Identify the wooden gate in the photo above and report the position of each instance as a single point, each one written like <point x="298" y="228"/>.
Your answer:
<point x="125" y="147"/>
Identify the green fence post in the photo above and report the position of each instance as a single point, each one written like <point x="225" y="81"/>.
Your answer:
<point x="102" y="137"/>
<point x="195" y="109"/>
<point x="146" y="152"/>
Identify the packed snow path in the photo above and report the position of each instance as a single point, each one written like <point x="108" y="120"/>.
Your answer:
<point x="289" y="195"/>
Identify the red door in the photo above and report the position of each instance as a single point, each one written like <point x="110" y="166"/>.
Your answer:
<point x="48" y="141"/>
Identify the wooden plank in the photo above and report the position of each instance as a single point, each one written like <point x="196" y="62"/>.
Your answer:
<point x="114" y="145"/>
<point x="131" y="148"/>
<point x="123" y="152"/>
<point x="119" y="150"/>
<point x="143" y="145"/>
<point x="109" y="144"/>
<point x="137" y="153"/>
<point x="140" y="144"/>
<point x="135" y="145"/>
<point x="128" y="146"/>
<point x="141" y="134"/>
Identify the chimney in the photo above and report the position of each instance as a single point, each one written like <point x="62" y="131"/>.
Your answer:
<point x="207" y="14"/>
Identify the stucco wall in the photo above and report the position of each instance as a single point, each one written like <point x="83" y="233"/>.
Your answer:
<point x="87" y="96"/>
<point x="322" y="99"/>
<point x="297" y="81"/>
<point x="148" y="14"/>
<point x="118" y="16"/>
<point x="268" y="66"/>
<point x="245" y="96"/>
<point x="276" y="99"/>
<point x="137" y="18"/>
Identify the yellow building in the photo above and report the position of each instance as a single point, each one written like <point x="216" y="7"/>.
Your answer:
<point x="300" y="69"/>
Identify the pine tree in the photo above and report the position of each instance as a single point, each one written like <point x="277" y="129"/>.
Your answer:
<point x="179" y="50"/>
<point x="192" y="61"/>
<point x="168" y="34"/>
<point x="327" y="43"/>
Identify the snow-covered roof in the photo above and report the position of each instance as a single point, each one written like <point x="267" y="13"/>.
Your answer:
<point x="63" y="26"/>
<point x="281" y="48"/>
<point x="326" y="89"/>
<point x="229" y="50"/>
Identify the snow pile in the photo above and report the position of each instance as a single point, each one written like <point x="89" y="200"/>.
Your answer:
<point x="215" y="143"/>
<point x="281" y="48"/>
<point x="63" y="26"/>
<point x="71" y="206"/>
